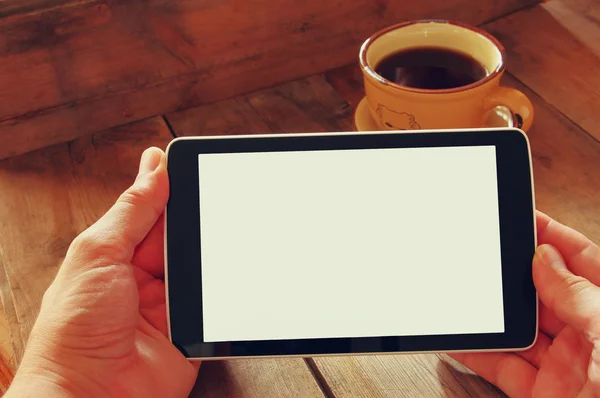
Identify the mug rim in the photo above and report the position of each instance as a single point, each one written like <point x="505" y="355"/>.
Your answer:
<point x="371" y="72"/>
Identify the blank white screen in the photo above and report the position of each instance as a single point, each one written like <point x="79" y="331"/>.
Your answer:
<point x="352" y="243"/>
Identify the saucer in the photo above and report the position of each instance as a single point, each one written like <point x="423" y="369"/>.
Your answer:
<point x="498" y="117"/>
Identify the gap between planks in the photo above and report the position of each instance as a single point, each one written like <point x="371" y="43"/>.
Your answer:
<point x="168" y="124"/>
<point x="319" y="378"/>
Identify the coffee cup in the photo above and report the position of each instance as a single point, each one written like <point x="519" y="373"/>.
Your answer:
<point x="437" y="75"/>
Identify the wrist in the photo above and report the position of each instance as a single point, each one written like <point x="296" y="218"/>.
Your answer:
<point x="40" y="377"/>
<point x="38" y="384"/>
<point x="50" y="367"/>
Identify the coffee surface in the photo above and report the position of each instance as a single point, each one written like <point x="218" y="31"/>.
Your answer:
<point x="431" y="68"/>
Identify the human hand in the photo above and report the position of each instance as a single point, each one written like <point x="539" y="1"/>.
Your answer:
<point x="102" y="327"/>
<point x="565" y="361"/>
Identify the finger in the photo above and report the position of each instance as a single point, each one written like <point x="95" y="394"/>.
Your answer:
<point x="581" y="255"/>
<point x="152" y="298"/>
<point x="549" y="323"/>
<point x="149" y="255"/>
<point x="509" y="372"/>
<point x="573" y="299"/>
<point x="133" y="215"/>
<point x="592" y="385"/>
<point x="541" y="222"/>
<point x="157" y="317"/>
<point x="196" y="363"/>
<point x="535" y="354"/>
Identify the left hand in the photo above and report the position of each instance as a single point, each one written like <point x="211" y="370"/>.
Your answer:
<point x="101" y="330"/>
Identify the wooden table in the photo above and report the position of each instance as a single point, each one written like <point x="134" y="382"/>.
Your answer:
<point x="49" y="196"/>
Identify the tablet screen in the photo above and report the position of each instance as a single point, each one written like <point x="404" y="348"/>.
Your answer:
<point x="350" y="243"/>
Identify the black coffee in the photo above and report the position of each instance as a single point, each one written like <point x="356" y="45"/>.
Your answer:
<point x="431" y="68"/>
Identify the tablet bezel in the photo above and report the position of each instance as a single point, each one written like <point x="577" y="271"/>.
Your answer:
<point x="517" y="234"/>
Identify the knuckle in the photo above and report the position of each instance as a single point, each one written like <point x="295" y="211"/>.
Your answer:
<point x="90" y="246"/>
<point x="591" y="251"/>
<point x="48" y="296"/>
<point x="138" y="196"/>
<point x="576" y="295"/>
<point x="569" y="287"/>
<point x="133" y="196"/>
<point x="565" y="289"/>
<point x="83" y="243"/>
<point x="574" y="284"/>
<point x="593" y="332"/>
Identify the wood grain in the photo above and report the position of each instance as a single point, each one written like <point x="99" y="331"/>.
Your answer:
<point x="7" y="365"/>
<point x="401" y="376"/>
<point x="284" y="377"/>
<point x="301" y="106"/>
<point x="307" y="105"/>
<point x="90" y="65"/>
<point x="231" y="116"/>
<point x="554" y="48"/>
<point x="12" y="7"/>
<point x="50" y="195"/>
<point x="566" y="162"/>
<point x="348" y="82"/>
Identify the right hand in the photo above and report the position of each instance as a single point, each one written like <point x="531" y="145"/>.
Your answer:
<point x="565" y="361"/>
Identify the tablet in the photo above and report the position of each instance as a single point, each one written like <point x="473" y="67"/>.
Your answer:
<point x="350" y="243"/>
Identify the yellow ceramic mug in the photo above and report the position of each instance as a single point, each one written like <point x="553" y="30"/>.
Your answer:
<point x="396" y="107"/>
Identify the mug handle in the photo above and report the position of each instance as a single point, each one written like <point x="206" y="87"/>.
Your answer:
<point x="518" y="103"/>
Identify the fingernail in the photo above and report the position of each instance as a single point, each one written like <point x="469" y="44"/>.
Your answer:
<point x="550" y="256"/>
<point x="150" y="160"/>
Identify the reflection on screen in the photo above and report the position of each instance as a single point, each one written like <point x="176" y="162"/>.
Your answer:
<point x="352" y="243"/>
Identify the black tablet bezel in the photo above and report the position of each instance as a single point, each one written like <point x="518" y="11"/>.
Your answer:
<point x="517" y="234"/>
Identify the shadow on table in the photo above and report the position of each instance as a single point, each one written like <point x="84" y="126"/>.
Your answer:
<point x="215" y="380"/>
<point x="447" y="369"/>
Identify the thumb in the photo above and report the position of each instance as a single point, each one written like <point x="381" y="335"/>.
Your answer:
<point x="573" y="299"/>
<point x="128" y="221"/>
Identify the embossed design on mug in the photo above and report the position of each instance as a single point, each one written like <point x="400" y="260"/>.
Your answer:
<point x="397" y="120"/>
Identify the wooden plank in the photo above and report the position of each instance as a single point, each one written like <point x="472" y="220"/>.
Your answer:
<point x="50" y="195"/>
<point x="7" y="366"/>
<point x="284" y="377"/>
<point x="63" y="123"/>
<point x="554" y="48"/>
<point x="12" y="7"/>
<point x="566" y="160"/>
<point x="8" y="318"/>
<point x="91" y="65"/>
<point x="231" y="116"/>
<point x="348" y="81"/>
<point x="306" y="105"/>
<point x="402" y="376"/>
